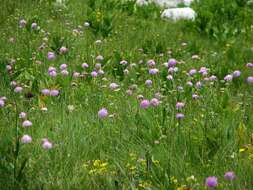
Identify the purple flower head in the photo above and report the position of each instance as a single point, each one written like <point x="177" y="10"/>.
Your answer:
<point x="172" y="62"/>
<point x="85" y="65"/>
<point x="172" y="70"/>
<point x="203" y="71"/>
<point x="34" y="26"/>
<point x="53" y="73"/>
<point x="148" y="82"/>
<point x="64" y="72"/>
<point x="22" y="23"/>
<point x="198" y="84"/>
<point x="228" y="78"/>
<point x="180" y="105"/>
<point x="229" y="175"/>
<point x="154" y="102"/>
<point x="113" y="86"/>
<point x="22" y="115"/>
<point x="153" y="71"/>
<point x="103" y="113"/>
<point x="123" y="62"/>
<point x="99" y="58"/>
<point x="250" y="80"/>
<point x="63" y="50"/>
<point x="192" y="72"/>
<point x="98" y="66"/>
<point x="26" y="139"/>
<point x="169" y="77"/>
<point x="26" y="123"/>
<point x="63" y="66"/>
<point x="50" y="56"/>
<point x="211" y="182"/>
<point x="76" y="75"/>
<point x="54" y="92"/>
<point x="151" y="63"/>
<point x="249" y="65"/>
<point x="213" y="78"/>
<point x="189" y="83"/>
<point x="94" y="74"/>
<point x="179" y="115"/>
<point x="45" y="92"/>
<point x="47" y="145"/>
<point x="18" y="89"/>
<point x="144" y="104"/>
<point x="236" y="74"/>
<point x="2" y="103"/>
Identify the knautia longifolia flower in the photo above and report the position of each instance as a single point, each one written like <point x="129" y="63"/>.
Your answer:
<point x="51" y="69"/>
<point x="250" y="80"/>
<point x="213" y="78"/>
<point x="113" y="86"/>
<point x="45" y="92"/>
<point x="192" y="72"/>
<point x="64" y="72"/>
<point x="22" y="115"/>
<point x="53" y="73"/>
<point x="26" y="123"/>
<point x="99" y="58"/>
<point x="63" y="66"/>
<point x="169" y="77"/>
<point x="51" y="56"/>
<point x="94" y="74"/>
<point x="228" y="78"/>
<point x="203" y="71"/>
<point x="153" y="71"/>
<point x="229" y="175"/>
<point x="103" y="113"/>
<point x="101" y="72"/>
<point x="180" y="105"/>
<point x="148" y="82"/>
<point x="34" y="26"/>
<point x="154" y="102"/>
<point x="198" y="84"/>
<point x="18" y="89"/>
<point x="98" y="66"/>
<point x="144" y="104"/>
<point x="123" y="62"/>
<point x="173" y="70"/>
<point x="54" y="92"/>
<point x="2" y="103"/>
<point x="85" y="65"/>
<point x="63" y="50"/>
<point x="189" y="83"/>
<point x="76" y="75"/>
<point x="26" y="139"/>
<point x="236" y="74"/>
<point x="249" y="65"/>
<point x="151" y="63"/>
<point x="22" y="23"/>
<point x="47" y="145"/>
<point x="179" y="116"/>
<point x="211" y="182"/>
<point x="172" y="62"/>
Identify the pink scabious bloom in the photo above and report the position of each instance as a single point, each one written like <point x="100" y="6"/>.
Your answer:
<point x="53" y="73"/>
<point x="54" y="92"/>
<point x="123" y="62"/>
<point x="50" y="69"/>
<point x="76" y="74"/>
<point x="148" y="82"/>
<point x="26" y="139"/>
<point x="22" y="23"/>
<point x="34" y="26"/>
<point x="113" y="86"/>
<point x="99" y="58"/>
<point x="250" y="80"/>
<point x="151" y="63"/>
<point x="229" y="175"/>
<point x="47" y="145"/>
<point x="101" y="72"/>
<point x="85" y="65"/>
<point x="103" y="113"/>
<point x="211" y="182"/>
<point x="203" y="71"/>
<point x="180" y="105"/>
<point x="98" y="66"/>
<point x="189" y="83"/>
<point x="249" y="65"/>
<point x="18" y="89"/>
<point x="228" y="78"/>
<point x="64" y="72"/>
<point x="51" y="56"/>
<point x="144" y="104"/>
<point x="213" y="78"/>
<point x="3" y="98"/>
<point x="22" y="115"/>
<point x="153" y="71"/>
<point x="45" y="92"/>
<point x="169" y="77"/>
<point x="192" y="72"/>
<point x="94" y="74"/>
<point x="154" y="102"/>
<point x="172" y="62"/>
<point x="236" y="74"/>
<point x="172" y="70"/>
<point x="26" y="123"/>
<point x="2" y="103"/>
<point x="179" y="115"/>
<point x="63" y="50"/>
<point x="198" y="84"/>
<point x="63" y="66"/>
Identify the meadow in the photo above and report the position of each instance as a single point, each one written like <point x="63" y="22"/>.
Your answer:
<point x="106" y="95"/>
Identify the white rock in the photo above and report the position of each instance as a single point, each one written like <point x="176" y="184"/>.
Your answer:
<point x="164" y="3"/>
<point x="179" y="13"/>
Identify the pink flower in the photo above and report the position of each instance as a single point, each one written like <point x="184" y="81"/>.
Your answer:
<point x="154" y="102"/>
<point x="45" y="92"/>
<point x="179" y="105"/>
<point x="22" y="115"/>
<point x="50" y="56"/>
<point x="22" y="23"/>
<point x="26" y="139"/>
<point x="63" y="50"/>
<point x="27" y="123"/>
<point x="47" y="145"/>
<point x="18" y="89"/>
<point x="54" y="92"/>
<point x="144" y="104"/>
<point x="2" y="103"/>
<point x="103" y="113"/>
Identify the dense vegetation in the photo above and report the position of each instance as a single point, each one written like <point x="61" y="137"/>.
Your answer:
<point x="99" y="94"/>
